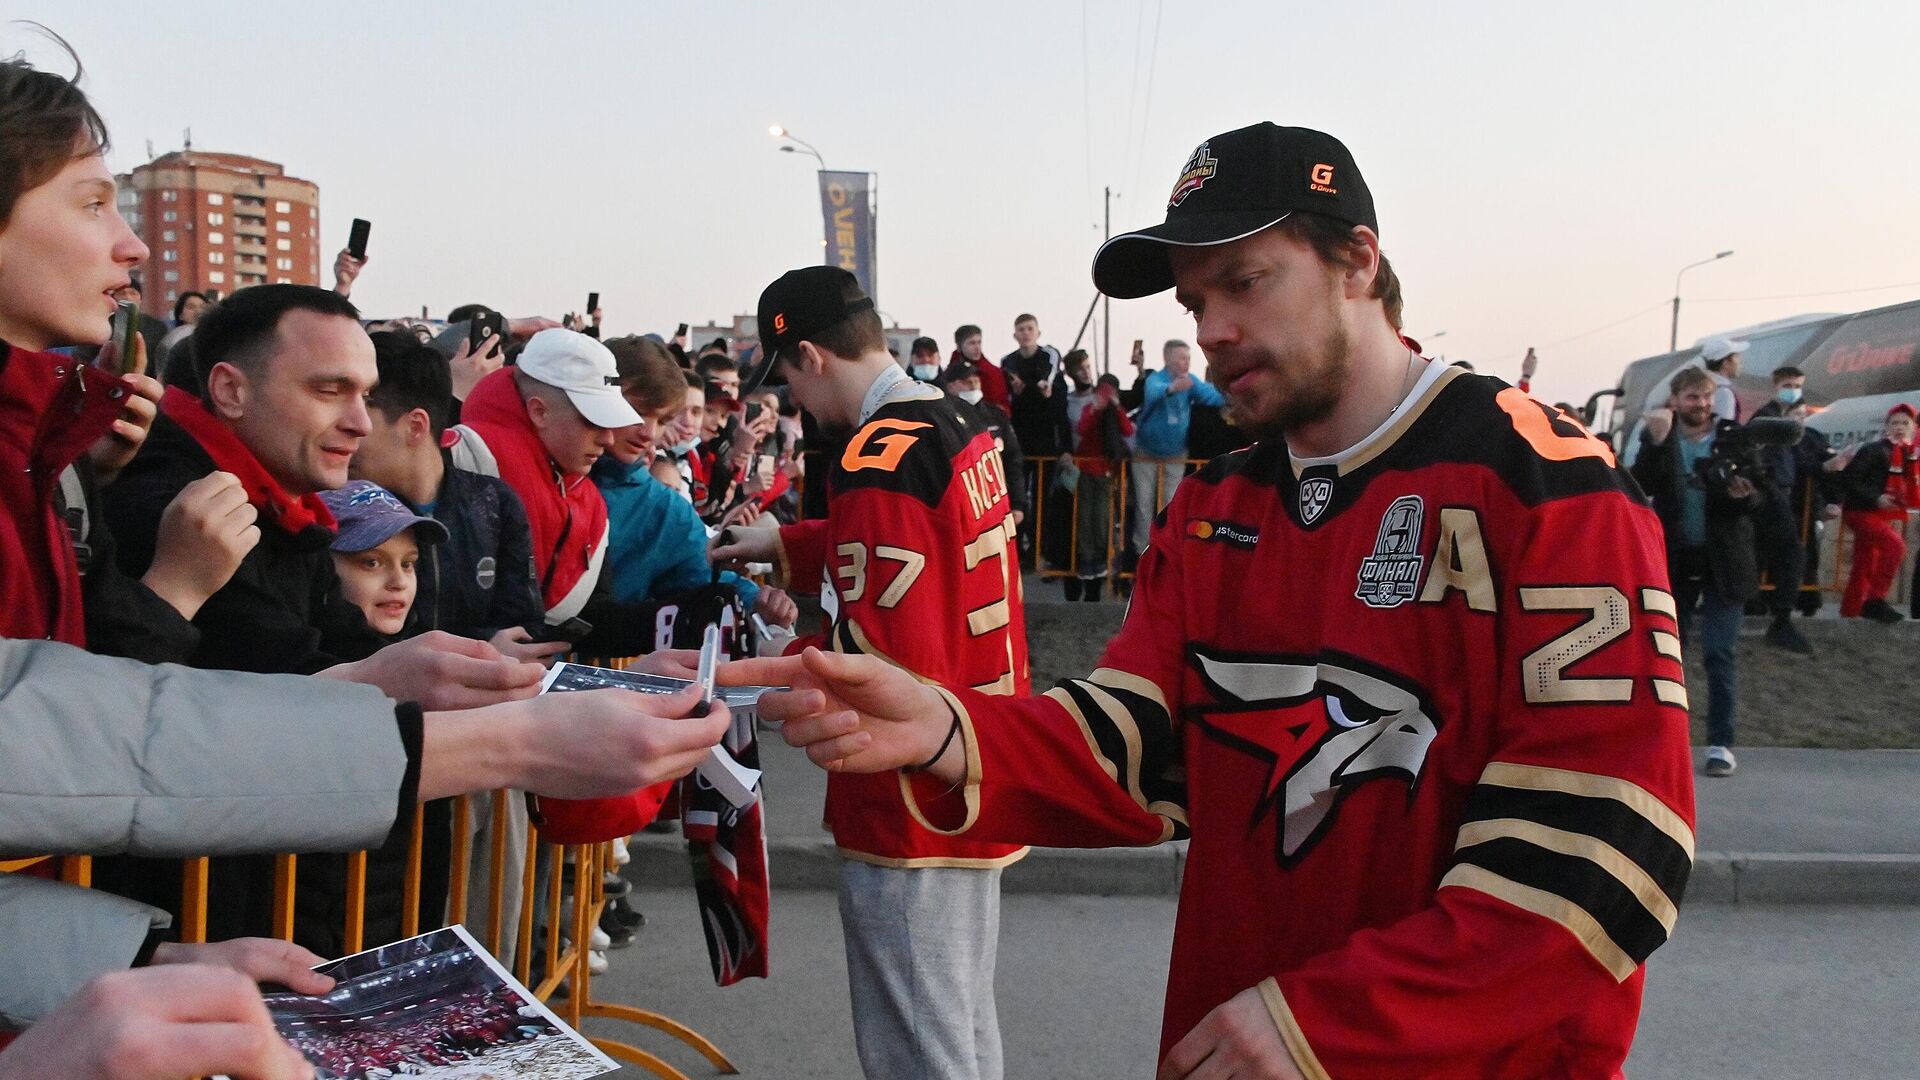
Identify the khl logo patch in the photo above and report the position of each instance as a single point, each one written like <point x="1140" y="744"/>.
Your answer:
<point x="1391" y="575"/>
<point x="1315" y="493"/>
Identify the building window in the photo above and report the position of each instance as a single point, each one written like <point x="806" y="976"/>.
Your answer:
<point x="214" y="198"/>
<point x="216" y="219"/>
<point x="173" y="294"/>
<point x="216" y="257"/>
<point x="169" y="216"/>
<point x="286" y="281"/>
<point x="172" y="275"/>
<point x="166" y="236"/>
<point x="283" y="264"/>
<point x="168" y="256"/>
<point x="282" y="207"/>
<point x="216" y="277"/>
<point x="216" y="238"/>
<point x="281" y="226"/>
<point x="169" y="196"/>
<point x="284" y="245"/>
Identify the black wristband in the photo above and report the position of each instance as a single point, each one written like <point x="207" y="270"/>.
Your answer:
<point x="938" y="754"/>
<point x="412" y="721"/>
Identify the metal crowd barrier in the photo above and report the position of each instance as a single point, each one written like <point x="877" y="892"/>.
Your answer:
<point x="562" y="964"/>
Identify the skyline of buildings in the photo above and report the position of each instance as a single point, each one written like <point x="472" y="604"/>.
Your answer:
<point x="216" y="222"/>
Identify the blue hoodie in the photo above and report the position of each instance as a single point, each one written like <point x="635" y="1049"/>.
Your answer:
<point x="1162" y="420"/>
<point x="658" y="545"/>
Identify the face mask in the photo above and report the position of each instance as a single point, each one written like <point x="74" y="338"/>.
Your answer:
<point x="971" y="397"/>
<point x="926" y="372"/>
<point x="1788" y="395"/>
<point x="682" y="449"/>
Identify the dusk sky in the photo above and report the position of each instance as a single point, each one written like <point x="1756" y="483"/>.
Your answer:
<point x="1540" y="170"/>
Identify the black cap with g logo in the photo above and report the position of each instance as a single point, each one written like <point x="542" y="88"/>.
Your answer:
<point x="799" y="304"/>
<point x="1233" y="186"/>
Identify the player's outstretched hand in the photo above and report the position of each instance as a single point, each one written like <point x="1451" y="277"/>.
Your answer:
<point x="670" y="663"/>
<point x="157" y="1023"/>
<point x="852" y="713"/>
<point x="443" y="672"/>
<point x="1236" y="1039"/>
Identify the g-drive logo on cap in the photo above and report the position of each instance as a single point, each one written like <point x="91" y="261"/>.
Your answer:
<point x="799" y="304"/>
<point x="1233" y="186"/>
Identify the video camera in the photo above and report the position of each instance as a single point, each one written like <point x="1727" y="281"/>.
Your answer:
<point x="1740" y="451"/>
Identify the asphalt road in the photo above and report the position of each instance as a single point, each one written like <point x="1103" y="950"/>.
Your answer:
<point x="1748" y="992"/>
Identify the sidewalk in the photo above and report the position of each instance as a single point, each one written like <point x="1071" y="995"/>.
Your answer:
<point x="1791" y="827"/>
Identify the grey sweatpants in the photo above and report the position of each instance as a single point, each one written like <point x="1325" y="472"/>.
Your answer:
<point x="921" y="946"/>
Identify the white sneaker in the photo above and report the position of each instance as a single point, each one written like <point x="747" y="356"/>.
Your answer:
<point x="597" y="961"/>
<point x="620" y="856"/>
<point x="598" y="941"/>
<point x="1720" y="761"/>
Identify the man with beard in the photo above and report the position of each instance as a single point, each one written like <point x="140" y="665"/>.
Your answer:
<point x="1404" y="671"/>
<point x="914" y="556"/>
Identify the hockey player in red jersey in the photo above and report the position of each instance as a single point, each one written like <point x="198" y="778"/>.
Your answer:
<point x="1406" y="671"/>
<point x="915" y="568"/>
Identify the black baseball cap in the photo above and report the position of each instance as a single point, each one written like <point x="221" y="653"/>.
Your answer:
<point x="1233" y="186"/>
<point x="799" y="304"/>
<point x="961" y="368"/>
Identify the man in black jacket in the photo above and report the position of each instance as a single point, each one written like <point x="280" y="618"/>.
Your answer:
<point x="1709" y="530"/>
<point x="286" y="369"/>
<point x="1778" y="521"/>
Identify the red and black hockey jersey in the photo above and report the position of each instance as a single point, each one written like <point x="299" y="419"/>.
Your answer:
<point x="1420" y="710"/>
<point x="916" y="565"/>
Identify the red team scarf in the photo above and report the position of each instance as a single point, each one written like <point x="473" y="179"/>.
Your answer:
<point x="277" y="505"/>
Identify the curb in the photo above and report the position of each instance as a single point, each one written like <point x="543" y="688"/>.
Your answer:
<point x="1718" y="877"/>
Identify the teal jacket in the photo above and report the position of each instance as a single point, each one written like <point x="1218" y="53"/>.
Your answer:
<point x="657" y="545"/>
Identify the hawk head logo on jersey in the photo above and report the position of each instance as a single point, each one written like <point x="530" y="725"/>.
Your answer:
<point x="1193" y="176"/>
<point x="1315" y="493"/>
<point x="1391" y="575"/>
<point x="1324" y="726"/>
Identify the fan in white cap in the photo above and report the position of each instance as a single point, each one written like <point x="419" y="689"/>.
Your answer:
<point x="582" y="367"/>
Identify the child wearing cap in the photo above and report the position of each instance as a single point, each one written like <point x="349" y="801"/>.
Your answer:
<point x="1879" y="486"/>
<point x="375" y="551"/>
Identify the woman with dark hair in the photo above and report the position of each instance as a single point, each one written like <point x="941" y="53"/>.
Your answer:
<point x="187" y="309"/>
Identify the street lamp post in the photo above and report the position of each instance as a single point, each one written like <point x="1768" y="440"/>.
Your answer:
<point x="794" y="144"/>
<point x="1673" y="337"/>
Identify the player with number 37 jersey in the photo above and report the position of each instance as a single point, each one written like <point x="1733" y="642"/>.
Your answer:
<point x="916" y="565"/>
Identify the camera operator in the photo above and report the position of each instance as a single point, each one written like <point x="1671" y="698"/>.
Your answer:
<point x="1705" y="499"/>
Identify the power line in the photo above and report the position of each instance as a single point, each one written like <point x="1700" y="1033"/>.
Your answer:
<point x="1801" y="296"/>
<point x="1146" y="110"/>
<point x="1133" y="91"/>
<point x="1622" y="321"/>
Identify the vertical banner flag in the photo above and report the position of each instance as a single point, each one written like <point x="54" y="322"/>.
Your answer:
<point x="846" y="205"/>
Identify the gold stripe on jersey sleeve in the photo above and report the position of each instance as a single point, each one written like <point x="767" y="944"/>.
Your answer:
<point x="1638" y="799"/>
<point x="1580" y="845"/>
<point x="1304" y="1058"/>
<point x="1670" y="692"/>
<point x="1124" y="774"/>
<point x="1548" y="906"/>
<point x="969" y="787"/>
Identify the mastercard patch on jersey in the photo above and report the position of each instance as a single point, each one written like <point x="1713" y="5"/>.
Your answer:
<point x="1231" y="533"/>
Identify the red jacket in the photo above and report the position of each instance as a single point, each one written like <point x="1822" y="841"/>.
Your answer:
<point x="993" y="383"/>
<point x="566" y="513"/>
<point x="1096" y="458"/>
<point x="51" y="410"/>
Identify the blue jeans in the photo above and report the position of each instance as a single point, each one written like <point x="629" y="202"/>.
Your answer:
<point x="1719" y="623"/>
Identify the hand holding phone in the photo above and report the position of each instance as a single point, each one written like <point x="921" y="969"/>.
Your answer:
<point x="357" y="239"/>
<point x="129" y="353"/>
<point x="709" y="666"/>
